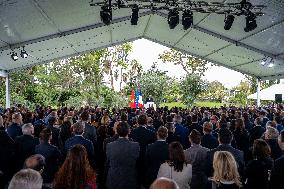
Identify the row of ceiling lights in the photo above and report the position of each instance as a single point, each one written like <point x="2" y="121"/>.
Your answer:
<point x="173" y="18"/>
<point x="15" y="56"/>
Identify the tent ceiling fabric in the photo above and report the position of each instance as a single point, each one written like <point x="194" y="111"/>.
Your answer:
<point x="55" y="29"/>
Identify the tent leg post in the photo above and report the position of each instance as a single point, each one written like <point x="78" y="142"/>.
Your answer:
<point x="257" y="93"/>
<point x="8" y="95"/>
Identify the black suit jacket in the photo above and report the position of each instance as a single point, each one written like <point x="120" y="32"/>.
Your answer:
<point x="144" y="137"/>
<point x="255" y="133"/>
<point x="25" y="147"/>
<point x="156" y="154"/>
<point x="238" y="155"/>
<point x="55" y="135"/>
<point x="7" y="151"/>
<point x="277" y="175"/>
<point x="209" y="141"/>
<point x="52" y="159"/>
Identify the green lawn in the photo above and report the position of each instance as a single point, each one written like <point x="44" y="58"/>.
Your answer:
<point x="198" y="103"/>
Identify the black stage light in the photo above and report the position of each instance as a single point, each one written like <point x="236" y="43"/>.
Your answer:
<point x="229" y="20"/>
<point x="173" y="18"/>
<point x="250" y="22"/>
<point x="106" y="15"/>
<point x="187" y="19"/>
<point x="14" y="56"/>
<point x="24" y="54"/>
<point x="134" y="16"/>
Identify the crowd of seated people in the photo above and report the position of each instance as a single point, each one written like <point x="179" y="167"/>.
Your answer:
<point x="97" y="148"/>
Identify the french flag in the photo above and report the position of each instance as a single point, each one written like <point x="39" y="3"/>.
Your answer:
<point x="140" y="101"/>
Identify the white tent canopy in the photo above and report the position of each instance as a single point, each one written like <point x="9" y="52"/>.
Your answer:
<point x="56" y="29"/>
<point x="269" y="93"/>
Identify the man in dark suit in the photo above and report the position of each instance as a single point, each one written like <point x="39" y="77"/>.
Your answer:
<point x="55" y="131"/>
<point x="113" y="138"/>
<point x="25" y="144"/>
<point x="7" y="161"/>
<point x="122" y="156"/>
<point x="257" y="131"/>
<point x="15" y="129"/>
<point x="225" y="138"/>
<point x="181" y="131"/>
<point x="277" y="175"/>
<point x="90" y="132"/>
<point x="144" y="137"/>
<point x="208" y="140"/>
<point x="51" y="154"/>
<point x="78" y="130"/>
<point x="195" y="124"/>
<point x="156" y="154"/>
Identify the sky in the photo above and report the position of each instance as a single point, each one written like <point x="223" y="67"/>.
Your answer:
<point x="147" y="52"/>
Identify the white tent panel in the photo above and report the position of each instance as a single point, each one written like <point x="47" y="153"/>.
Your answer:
<point x="269" y="93"/>
<point x="67" y="15"/>
<point x="125" y="31"/>
<point x="18" y="25"/>
<point x="200" y="43"/>
<point x="270" y="40"/>
<point x="235" y="55"/>
<point x="165" y="34"/>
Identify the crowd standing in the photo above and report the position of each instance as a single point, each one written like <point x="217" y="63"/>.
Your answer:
<point x="99" y="148"/>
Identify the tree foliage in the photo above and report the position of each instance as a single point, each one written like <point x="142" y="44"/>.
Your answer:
<point x="191" y="86"/>
<point x="189" y="63"/>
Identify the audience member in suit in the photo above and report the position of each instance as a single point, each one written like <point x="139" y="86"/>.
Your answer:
<point x="279" y="125"/>
<point x="90" y="131"/>
<point x="64" y="133"/>
<point x="78" y="130"/>
<point x="50" y="153"/>
<point x="25" y="144"/>
<point x="241" y="137"/>
<point x="263" y="118"/>
<point x="181" y="131"/>
<point x="122" y="156"/>
<point x="277" y="174"/>
<point x="113" y="138"/>
<point x="195" y="124"/>
<point x="208" y="140"/>
<point x="271" y="135"/>
<point x="225" y="138"/>
<point x="257" y="131"/>
<point x="7" y="157"/>
<point x="177" y="168"/>
<point x="196" y="156"/>
<point x="144" y="137"/>
<point x="164" y="183"/>
<point x="55" y="131"/>
<point x="156" y="154"/>
<point x="258" y="170"/>
<point x="15" y="129"/>
<point x="172" y="136"/>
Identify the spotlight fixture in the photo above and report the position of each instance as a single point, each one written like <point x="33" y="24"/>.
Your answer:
<point x="267" y="62"/>
<point x="24" y="54"/>
<point x="173" y="18"/>
<point x="250" y="22"/>
<point x="229" y="19"/>
<point x="14" y="56"/>
<point x="106" y="15"/>
<point x="187" y="19"/>
<point x="134" y="16"/>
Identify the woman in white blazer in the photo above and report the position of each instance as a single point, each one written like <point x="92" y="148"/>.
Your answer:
<point x="177" y="168"/>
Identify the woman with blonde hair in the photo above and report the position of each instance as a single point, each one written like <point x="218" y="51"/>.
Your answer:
<point x="225" y="174"/>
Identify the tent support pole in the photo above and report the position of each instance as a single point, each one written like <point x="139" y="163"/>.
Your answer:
<point x="8" y="95"/>
<point x="257" y="93"/>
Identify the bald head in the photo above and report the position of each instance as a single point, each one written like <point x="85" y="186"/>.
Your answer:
<point x="164" y="183"/>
